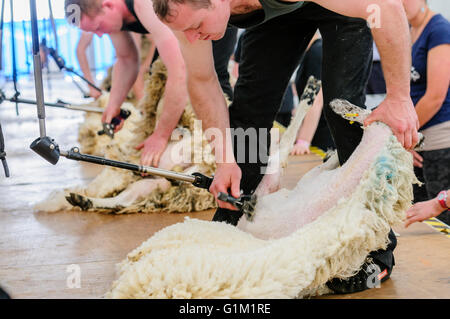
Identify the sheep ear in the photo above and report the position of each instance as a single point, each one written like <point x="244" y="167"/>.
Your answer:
<point x="349" y="111"/>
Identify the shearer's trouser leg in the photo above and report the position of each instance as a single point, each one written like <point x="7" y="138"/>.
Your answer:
<point x="222" y="50"/>
<point x="270" y="53"/>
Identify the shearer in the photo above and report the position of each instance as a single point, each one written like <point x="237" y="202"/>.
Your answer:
<point x="277" y="35"/>
<point x="120" y="17"/>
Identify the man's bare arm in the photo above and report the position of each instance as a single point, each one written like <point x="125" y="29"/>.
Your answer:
<point x="204" y="89"/>
<point x="139" y="85"/>
<point x="176" y="96"/>
<point x="210" y="106"/>
<point x="391" y="36"/>
<point x="83" y="43"/>
<point x="393" y="42"/>
<point x="124" y="74"/>
<point x="175" y="92"/>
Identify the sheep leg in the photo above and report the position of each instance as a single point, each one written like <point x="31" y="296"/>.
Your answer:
<point x="278" y="159"/>
<point x="132" y="194"/>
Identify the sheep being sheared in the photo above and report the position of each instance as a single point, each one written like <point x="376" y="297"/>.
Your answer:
<point x="112" y="181"/>
<point x="135" y="198"/>
<point x="299" y="239"/>
<point x="93" y="143"/>
<point x="149" y="194"/>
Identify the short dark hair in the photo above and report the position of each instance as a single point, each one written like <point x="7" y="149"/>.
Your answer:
<point x="162" y="7"/>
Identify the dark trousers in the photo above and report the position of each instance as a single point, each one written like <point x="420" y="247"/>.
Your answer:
<point x="222" y="51"/>
<point x="270" y="54"/>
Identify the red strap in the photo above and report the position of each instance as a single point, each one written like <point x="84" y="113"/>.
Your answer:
<point x="442" y="198"/>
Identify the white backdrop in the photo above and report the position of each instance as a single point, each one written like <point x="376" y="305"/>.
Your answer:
<point x="441" y="6"/>
<point x="22" y="9"/>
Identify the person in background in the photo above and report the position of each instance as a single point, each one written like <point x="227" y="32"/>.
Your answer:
<point x="118" y="19"/>
<point x="431" y="208"/>
<point x="43" y="53"/>
<point x="83" y="43"/>
<point x="430" y="80"/>
<point x="146" y="58"/>
<point x="147" y="49"/>
<point x="376" y="84"/>
<point x="314" y="130"/>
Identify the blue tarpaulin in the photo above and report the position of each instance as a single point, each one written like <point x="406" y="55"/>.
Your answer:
<point x="67" y="40"/>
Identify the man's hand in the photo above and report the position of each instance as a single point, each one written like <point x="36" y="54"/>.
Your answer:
<point x="401" y="117"/>
<point x="418" y="160"/>
<point x="94" y="93"/>
<point x="152" y="149"/>
<point x="301" y="147"/>
<point x="227" y="177"/>
<point x="110" y="113"/>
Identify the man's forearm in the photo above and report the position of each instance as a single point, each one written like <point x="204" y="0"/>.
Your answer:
<point x="124" y="75"/>
<point x="83" y="43"/>
<point x="394" y="45"/>
<point x="84" y="65"/>
<point x="391" y="35"/>
<point x="175" y="100"/>
<point x="211" y="108"/>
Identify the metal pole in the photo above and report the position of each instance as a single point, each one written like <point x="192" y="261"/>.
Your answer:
<point x="84" y="79"/>
<point x="24" y="30"/>
<point x="37" y="70"/>
<point x="1" y="34"/>
<point x="74" y="154"/>
<point x="86" y="108"/>
<point x="47" y="48"/>
<point x="52" y="19"/>
<point x="61" y="63"/>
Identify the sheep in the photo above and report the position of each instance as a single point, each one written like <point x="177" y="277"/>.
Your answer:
<point x="177" y="198"/>
<point x="299" y="239"/>
<point x="94" y="144"/>
<point x="112" y="181"/>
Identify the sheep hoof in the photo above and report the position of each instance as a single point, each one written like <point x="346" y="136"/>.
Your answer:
<point x="80" y="201"/>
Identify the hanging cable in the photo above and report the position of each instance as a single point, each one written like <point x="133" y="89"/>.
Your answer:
<point x="25" y="43"/>
<point x="14" y="62"/>
<point x="3" y="153"/>
<point x="53" y="25"/>
<point x="1" y="34"/>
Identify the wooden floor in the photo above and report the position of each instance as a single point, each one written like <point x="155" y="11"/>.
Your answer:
<point x="38" y="249"/>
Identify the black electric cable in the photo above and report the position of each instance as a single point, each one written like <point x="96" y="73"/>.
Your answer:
<point x="54" y="53"/>
<point x="3" y="153"/>
<point x="52" y="20"/>
<point x="62" y="66"/>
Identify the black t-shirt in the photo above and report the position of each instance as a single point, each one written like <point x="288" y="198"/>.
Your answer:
<point x="134" y="26"/>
